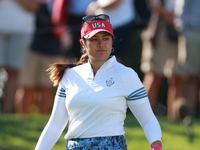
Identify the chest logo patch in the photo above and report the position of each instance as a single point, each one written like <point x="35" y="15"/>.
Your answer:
<point x="110" y="82"/>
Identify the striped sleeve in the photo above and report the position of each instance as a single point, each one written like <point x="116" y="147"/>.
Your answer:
<point x="60" y="93"/>
<point x="137" y="94"/>
<point x="135" y="90"/>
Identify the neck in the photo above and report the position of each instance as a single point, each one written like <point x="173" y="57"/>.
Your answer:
<point x="96" y="65"/>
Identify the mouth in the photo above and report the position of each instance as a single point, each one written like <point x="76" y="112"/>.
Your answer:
<point x="101" y="50"/>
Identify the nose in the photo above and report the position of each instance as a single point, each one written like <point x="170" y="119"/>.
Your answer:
<point x="100" y="43"/>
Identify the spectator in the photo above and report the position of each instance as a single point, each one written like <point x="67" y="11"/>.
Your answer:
<point x="159" y="51"/>
<point x="16" y="28"/>
<point x="75" y="10"/>
<point x="35" y="86"/>
<point x="188" y="24"/>
<point x="122" y="15"/>
<point x="167" y="52"/>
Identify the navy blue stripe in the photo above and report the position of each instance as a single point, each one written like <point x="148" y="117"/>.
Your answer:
<point x="133" y="93"/>
<point x="138" y="94"/>
<point x="132" y="99"/>
<point x="62" y="96"/>
<point x="62" y="90"/>
<point x="61" y="93"/>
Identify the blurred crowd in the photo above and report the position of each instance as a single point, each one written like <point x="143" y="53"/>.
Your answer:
<point x="37" y="33"/>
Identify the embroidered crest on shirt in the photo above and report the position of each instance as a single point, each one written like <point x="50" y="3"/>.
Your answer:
<point x="110" y="82"/>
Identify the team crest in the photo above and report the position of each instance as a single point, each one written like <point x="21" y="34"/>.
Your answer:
<point x="110" y="82"/>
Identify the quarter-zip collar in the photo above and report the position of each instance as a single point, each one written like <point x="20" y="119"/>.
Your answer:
<point x="109" y="63"/>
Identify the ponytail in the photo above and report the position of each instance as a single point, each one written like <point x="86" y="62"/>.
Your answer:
<point x="57" y="70"/>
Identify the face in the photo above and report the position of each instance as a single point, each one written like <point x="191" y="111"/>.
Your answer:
<point x="99" y="46"/>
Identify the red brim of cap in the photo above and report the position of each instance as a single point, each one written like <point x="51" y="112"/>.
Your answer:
<point x="91" y="34"/>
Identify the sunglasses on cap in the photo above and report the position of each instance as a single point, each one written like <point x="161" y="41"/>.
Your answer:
<point x="89" y="18"/>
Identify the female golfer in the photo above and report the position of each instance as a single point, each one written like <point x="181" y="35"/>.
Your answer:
<point x="93" y="96"/>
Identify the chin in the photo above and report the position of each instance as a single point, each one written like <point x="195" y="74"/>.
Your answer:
<point x="103" y="58"/>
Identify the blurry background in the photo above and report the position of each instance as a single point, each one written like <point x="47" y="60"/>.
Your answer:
<point x="20" y="129"/>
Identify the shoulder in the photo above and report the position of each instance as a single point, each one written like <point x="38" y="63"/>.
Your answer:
<point x="128" y="75"/>
<point x="75" y="69"/>
<point x="72" y="73"/>
<point x="124" y="70"/>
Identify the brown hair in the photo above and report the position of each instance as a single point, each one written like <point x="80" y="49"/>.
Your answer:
<point x="57" y="70"/>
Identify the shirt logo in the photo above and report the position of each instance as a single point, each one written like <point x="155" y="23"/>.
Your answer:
<point x="110" y="82"/>
<point x="98" y="24"/>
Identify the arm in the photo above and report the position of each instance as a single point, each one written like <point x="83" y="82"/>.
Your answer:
<point x="141" y="109"/>
<point x="55" y="125"/>
<point x="29" y="5"/>
<point x="169" y="16"/>
<point x="139" y="105"/>
<point x="164" y="13"/>
<point x="109" y="4"/>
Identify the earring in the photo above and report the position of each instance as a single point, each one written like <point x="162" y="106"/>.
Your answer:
<point x="84" y="50"/>
<point x="112" y="50"/>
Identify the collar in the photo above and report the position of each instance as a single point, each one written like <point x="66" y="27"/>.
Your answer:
<point x="108" y="64"/>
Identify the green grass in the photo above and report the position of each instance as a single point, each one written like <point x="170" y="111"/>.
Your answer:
<point x="22" y="133"/>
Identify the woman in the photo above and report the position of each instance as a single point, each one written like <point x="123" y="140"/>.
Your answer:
<point x="94" y="95"/>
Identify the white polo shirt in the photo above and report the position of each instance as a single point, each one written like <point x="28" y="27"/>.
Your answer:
<point x="96" y="106"/>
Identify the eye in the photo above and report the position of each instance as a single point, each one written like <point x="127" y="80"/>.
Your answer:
<point x="93" y="39"/>
<point x="106" y="38"/>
